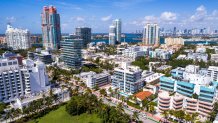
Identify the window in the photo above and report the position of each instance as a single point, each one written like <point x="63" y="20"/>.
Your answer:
<point x="9" y="63"/>
<point x="15" y="62"/>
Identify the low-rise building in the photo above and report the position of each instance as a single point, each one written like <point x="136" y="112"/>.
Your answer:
<point x="197" y="86"/>
<point x="127" y="78"/>
<point x="99" y="80"/>
<point x="198" y="56"/>
<point x="174" y="41"/>
<point x="136" y="51"/>
<point x="214" y="58"/>
<point x="43" y="56"/>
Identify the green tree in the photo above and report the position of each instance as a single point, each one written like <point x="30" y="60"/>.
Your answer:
<point x="2" y="107"/>
<point x="135" y="116"/>
<point x="103" y="92"/>
<point x="188" y="117"/>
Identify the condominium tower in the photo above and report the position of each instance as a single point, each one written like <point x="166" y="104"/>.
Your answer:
<point x="151" y="34"/>
<point x="115" y="32"/>
<point x="17" y="38"/>
<point x="84" y="33"/>
<point x="112" y="35"/>
<point x="72" y="54"/>
<point x="117" y="23"/>
<point x="51" y="31"/>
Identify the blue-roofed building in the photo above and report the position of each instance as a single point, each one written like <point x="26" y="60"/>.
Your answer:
<point x="185" y="88"/>
<point x="167" y="84"/>
<point x="207" y="94"/>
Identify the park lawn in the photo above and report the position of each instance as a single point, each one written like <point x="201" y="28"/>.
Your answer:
<point x="61" y="116"/>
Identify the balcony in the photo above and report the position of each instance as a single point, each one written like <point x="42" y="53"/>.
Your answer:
<point x="178" y="103"/>
<point x="190" y="110"/>
<point x="191" y="107"/>
<point x="164" y="105"/>
<point x="201" y="112"/>
<point x="163" y="108"/>
<point x="204" y="110"/>
<point x="164" y="101"/>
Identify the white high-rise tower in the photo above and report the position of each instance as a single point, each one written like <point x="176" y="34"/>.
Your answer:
<point x="112" y="35"/>
<point x="117" y="23"/>
<point x="151" y="34"/>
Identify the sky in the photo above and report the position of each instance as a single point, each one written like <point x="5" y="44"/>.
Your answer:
<point x="98" y="14"/>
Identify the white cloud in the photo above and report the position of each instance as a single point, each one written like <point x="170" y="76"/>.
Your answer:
<point x="168" y="16"/>
<point x="65" y="5"/>
<point x="150" y="18"/>
<point x="106" y="18"/>
<point x="200" y="14"/>
<point x="10" y="19"/>
<point x="81" y="19"/>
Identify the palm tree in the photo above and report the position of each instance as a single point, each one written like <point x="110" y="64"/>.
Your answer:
<point x="135" y="116"/>
<point x="103" y="92"/>
<point x="171" y="112"/>
<point x="122" y="98"/>
<point x="165" y="114"/>
<point x="145" y="104"/>
<point x="111" y="91"/>
<point x="188" y="117"/>
<point x="194" y="117"/>
<point x="89" y="91"/>
<point x="7" y="116"/>
<point x="151" y="107"/>
<point x="120" y="107"/>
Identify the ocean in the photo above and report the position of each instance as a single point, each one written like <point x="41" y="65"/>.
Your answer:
<point x="135" y="38"/>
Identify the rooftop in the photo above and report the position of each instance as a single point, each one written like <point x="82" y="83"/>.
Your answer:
<point x="143" y="95"/>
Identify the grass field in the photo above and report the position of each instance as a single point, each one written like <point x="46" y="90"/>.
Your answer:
<point x="61" y="116"/>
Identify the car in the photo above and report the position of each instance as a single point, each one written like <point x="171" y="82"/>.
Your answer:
<point x="144" y="115"/>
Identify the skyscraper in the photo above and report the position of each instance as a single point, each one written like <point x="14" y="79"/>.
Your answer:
<point x="51" y="31"/>
<point x="85" y="34"/>
<point x="72" y="54"/>
<point x="17" y="38"/>
<point x="174" y="31"/>
<point x="151" y="34"/>
<point x="117" y="24"/>
<point x="112" y="35"/>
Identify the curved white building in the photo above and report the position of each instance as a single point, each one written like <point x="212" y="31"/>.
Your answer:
<point x="163" y="101"/>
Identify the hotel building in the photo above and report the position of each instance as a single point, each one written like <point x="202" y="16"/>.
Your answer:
<point x="17" y="38"/>
<point x="18" y="81"/>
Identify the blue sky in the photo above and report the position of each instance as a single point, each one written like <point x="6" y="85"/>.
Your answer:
<point x="98" y="14"/>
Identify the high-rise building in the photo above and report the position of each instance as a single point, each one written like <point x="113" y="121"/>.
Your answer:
<point x="51" y="31"/>
<point x="174" y="31"/>
<point x="115" y="32"/>
<point x="17" y="81"/>
<point x="151" y="34"/>
<point x="85" y="34"/>
<point x="112" y="35"/>
<point x="72" y="54"/>
<point x="17" y="38"/>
